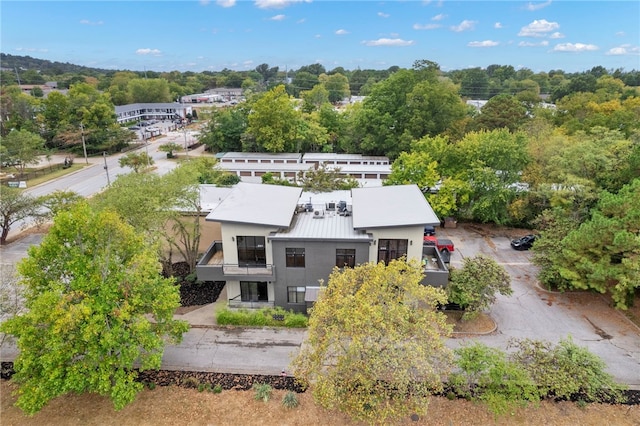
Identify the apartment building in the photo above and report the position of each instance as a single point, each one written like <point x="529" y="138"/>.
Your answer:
<point x="278" y="244"/>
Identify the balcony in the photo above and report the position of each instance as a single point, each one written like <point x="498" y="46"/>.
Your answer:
<point x="213" y="268"/>
<point x="236" y="303"/>
<point x="436" y="273"/>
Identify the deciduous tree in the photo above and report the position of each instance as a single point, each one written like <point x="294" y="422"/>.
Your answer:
<point x="375" y="347"/>
<point x="97" y="308"/>
<point x="21" y="148"/>
<point x="475" y="285"/>
<point x="136" y="160"/>
<point x="273" y="122"/>
<point x="15" y="206"/>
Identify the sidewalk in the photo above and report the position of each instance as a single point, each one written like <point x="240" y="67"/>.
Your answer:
<point x="205" y="316"/>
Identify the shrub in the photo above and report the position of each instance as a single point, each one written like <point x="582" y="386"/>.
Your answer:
<point x="261" y="318"/>
<point x="566" y="370"/>
<point x="191" y="382"/>
<point x="290" y="400"/>
<point x="263" y="392"/>
<point x="217" y="389"/>
<point x="488" y="376"/>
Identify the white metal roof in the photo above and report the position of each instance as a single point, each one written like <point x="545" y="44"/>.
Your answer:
<point x="259" y="204"/>
<point x="389" y="206"/>
<point x="328" y="225"/>
<point x="212" y="195"/>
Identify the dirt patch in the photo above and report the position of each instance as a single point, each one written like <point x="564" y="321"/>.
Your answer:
<point x="175" y="405"/>
<point x="482" y="324"/>
<point x="489" y="230"/>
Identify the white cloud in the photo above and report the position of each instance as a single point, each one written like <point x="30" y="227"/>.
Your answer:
<point x="574" y="47"/>
<point x="147" y="51"/>
<point x="31" y="49"/>
<point x="277" y="4"/>
<point x="388" y="42"/>
<point x="247" y="63"/>
<point x="620" y="34"/>
<point x="205" y="2"/>
<point x="463" y="26"/>
<point x="486" y="43"/>
<point x="530" y="44"/>
<point x="625" y="49"/>
<point x="426" y="26"/>
<point x="497" y="25"/>
<point x="226" y="3"/>
<point x="383" y="15"/>
<point x="277" y="18"/>
<point x="342" y="32"/>
<point x="538" y="28"/>
<point x="556" y="35"/>
<point x="301" y="21"/>
<point x="439" y="17"/>
<point x="531" y="7"/>
<point x="87" y="22"/>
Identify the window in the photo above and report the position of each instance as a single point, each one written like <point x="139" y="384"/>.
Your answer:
<point x="251" y="251"/>
<point x="345" y="258"/>
<point x="253" y="291"/>
<point x="389" y="250"/>
<point x="295" y="258"/>
<point x="295" y="294"/>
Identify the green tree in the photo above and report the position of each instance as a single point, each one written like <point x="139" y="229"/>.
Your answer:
<point x="169" y="148"/>
<point x="375" y="344"/>
<point x="11" y="297"/>
<point x="136" y="160"/>
<point x="58" y="201"/>
<point x="154" y="90"/>
<point x="21" y="148"/>
<point x="502" y="111"/>
<point x="475" y="84"/>
<point x="415" y="167"/>
<point x="603" y="253"/>
<point x="225" y="128"/>
<point x="97" y="311"/>
<point x="273" y="122"/>
<point x="314" y="99"/>
<point x="475" y="285"/>
<point x="337" y="86"/>
<point x="15" y="207"/>
<point x="325" y="179"/>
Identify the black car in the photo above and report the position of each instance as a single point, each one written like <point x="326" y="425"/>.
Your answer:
<point x="523" y="243"/>
<point x="429" y="230"/>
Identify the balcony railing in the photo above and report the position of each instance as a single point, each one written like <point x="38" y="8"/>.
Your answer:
<point x="235" y="269"/>
<point x="237" y="303"/>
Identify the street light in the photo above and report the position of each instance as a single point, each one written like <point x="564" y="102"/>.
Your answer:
<point x="186" y="149"/>
<point x="84" y="146"/>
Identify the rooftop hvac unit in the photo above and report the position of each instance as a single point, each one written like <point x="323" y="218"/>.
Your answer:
<point x="318" y="214"/>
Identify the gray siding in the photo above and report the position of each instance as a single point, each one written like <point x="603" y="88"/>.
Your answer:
<point x="320" y="259"/>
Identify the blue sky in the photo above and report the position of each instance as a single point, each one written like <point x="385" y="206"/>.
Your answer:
<point x="212" y="35"/>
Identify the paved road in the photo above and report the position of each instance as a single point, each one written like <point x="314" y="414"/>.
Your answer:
<point x="94" y="178"/>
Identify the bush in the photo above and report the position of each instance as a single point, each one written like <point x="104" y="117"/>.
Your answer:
<point x="263" y="392"/>
<point x="290" y="400"/>
<point x="191" y="382"/>
<point x="217" y="389"/>
<point x="487" y="375"/>
<point x="262" y="318"/>
<point x="566" y="370"/>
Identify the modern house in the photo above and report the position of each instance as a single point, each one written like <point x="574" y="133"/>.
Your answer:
<point x="278" y="244"/>
<point x="151" y="111"/>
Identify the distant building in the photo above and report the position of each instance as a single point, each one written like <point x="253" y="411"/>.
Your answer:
<point x="151" y="111"/>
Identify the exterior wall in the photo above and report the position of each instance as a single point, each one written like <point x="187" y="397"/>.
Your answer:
<point x="320" y="259"/>
<point x="233" y="294"/>
<point x="412" y="233"/>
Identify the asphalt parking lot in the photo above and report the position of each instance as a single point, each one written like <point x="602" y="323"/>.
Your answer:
<point x="532" y="312"/>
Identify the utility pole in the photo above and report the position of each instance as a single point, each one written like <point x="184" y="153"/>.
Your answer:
<point x="84" y="146"/>
<point x="106" y="169"/>
<point x="186" y="148"/>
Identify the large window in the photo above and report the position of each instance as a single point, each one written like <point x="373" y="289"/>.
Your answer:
<point x="389" y="250"/>
<point x="295" y="258"/>
<point x="253" y="291"/>
<point x="295" y="294"/>
<point x="251" y="250"/>
<point x="345" y="258"/>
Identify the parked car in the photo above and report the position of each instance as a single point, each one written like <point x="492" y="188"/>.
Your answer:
<point x="429" y="230"/>
<point x="523" y="243"/>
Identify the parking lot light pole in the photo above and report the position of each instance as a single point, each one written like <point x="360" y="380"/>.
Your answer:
<point x="186" y="149"/>
<point x="84" y="146"/>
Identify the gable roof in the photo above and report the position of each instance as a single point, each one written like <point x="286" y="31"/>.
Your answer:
<point x="389" y="206"/>
<point x="259" y="204"/>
